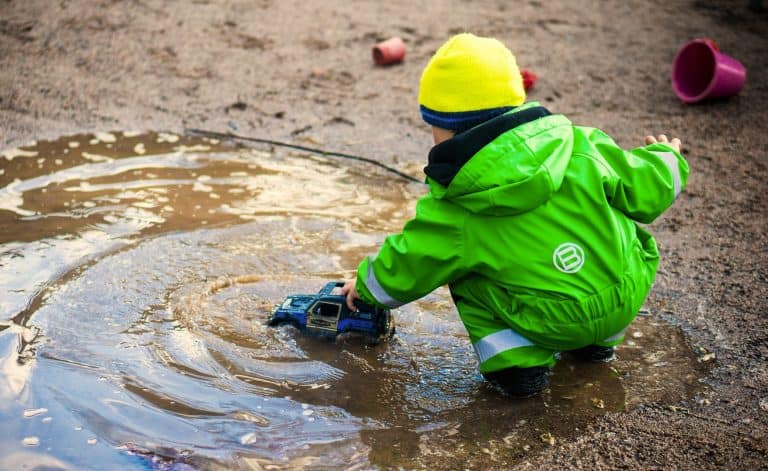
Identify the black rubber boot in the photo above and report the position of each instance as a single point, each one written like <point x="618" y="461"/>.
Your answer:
<point x="594" y="353"/>
<point x="520" y="382"/>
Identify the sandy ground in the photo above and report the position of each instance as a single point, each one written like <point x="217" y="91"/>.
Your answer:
<point x="302" y="72"/>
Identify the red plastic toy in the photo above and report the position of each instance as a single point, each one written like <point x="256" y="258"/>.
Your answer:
<point x="529" y="78"/>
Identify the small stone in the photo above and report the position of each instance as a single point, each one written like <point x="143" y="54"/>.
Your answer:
<point x="707" y="357"/>
<point x="33" y="412"/>
<point x="547" y="438"/>
<point x="30" y="441"/>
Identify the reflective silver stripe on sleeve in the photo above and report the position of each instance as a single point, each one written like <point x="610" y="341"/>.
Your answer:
<point x="377" y="291"/>
<point x="615" y="337"/>
<point x="671" y="161"/>
<point x="491" y="345"/>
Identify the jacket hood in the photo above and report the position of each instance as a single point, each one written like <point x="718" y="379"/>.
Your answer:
<point x="508" y="165"/>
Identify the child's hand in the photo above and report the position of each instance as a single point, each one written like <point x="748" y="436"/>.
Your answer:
<point x="675" y="142"/>
<point x="350" y="291"/>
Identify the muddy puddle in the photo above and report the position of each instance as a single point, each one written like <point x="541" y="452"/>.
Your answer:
<point x="137" y="272"/>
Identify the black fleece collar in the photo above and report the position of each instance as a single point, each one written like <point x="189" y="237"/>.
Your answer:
<point x="447" y="158"/>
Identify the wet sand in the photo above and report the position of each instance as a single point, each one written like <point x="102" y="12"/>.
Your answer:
<point x="141" y="270"/>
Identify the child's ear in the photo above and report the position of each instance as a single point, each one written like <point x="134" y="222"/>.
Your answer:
<point x="439" y="134"/>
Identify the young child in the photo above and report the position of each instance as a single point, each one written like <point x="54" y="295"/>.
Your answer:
<point x="529" y="219"/>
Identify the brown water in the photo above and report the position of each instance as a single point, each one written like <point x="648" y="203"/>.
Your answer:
<point x="138" y="271"/>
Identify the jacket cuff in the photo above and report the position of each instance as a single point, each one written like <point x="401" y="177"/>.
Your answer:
<point x="672" y="159"/>
<point x="370" y="290"/>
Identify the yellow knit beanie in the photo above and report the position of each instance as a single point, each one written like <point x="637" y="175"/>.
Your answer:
<point x="469" y="74"/>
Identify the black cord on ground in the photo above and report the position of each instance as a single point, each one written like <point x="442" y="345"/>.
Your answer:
<point x="233" y="136"/>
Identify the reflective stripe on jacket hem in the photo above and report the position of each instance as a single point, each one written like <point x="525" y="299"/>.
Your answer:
<point x="377" y="291"/>
<point x="616" y="337"/>
<point x="491" y="345"/>
<point x="671" y="161"/>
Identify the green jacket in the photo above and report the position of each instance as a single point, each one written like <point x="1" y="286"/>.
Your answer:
<point x="529" y="213"/>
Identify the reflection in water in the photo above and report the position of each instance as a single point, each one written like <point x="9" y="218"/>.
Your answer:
<point x="15" y="359"/>
<point x="140" y="269"/>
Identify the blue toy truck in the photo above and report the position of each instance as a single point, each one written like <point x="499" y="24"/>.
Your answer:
<point x="326" y="314"/>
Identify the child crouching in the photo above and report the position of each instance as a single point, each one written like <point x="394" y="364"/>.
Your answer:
<point x="530" y="220"/>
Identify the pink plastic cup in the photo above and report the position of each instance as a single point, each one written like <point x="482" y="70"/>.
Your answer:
<point x="700" y="71"/>
<point x="389" y="52"/>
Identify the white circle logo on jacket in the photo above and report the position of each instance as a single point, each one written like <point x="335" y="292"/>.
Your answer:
<point x="568" y="257"/>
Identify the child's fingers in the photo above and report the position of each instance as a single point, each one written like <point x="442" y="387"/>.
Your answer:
<point x="350" y="292"/>
<point x="675" y="142"/>
<point x="351" y="304"/>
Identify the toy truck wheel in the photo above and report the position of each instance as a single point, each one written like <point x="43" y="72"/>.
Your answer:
<point x="282" y="322"/>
